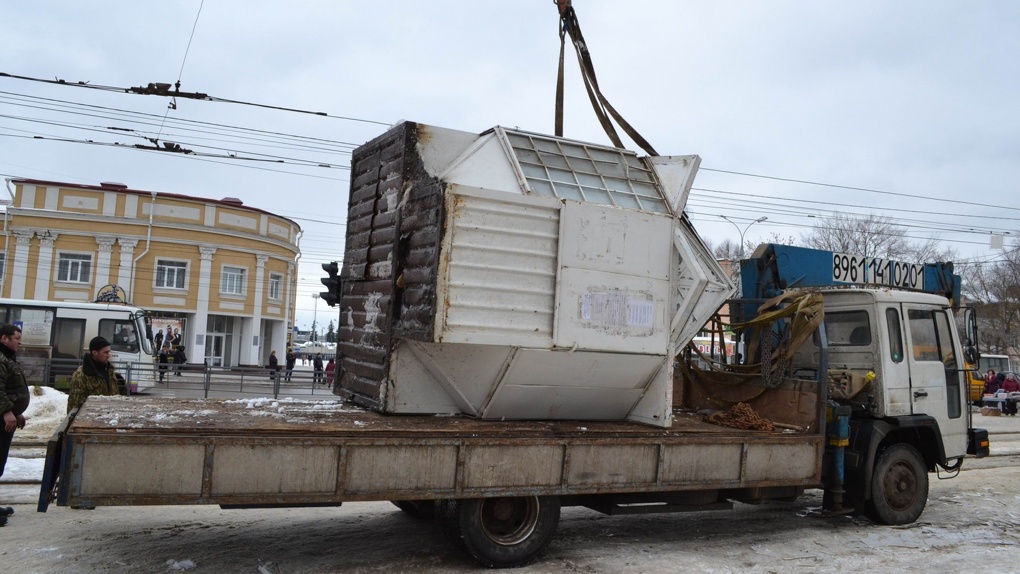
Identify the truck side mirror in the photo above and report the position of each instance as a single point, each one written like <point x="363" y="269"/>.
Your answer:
<point x="970" y="354"/>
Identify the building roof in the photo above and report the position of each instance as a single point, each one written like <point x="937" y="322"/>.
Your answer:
<point x="123" y="188"/>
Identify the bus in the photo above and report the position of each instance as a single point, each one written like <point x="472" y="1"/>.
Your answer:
<point x="997" y="363"/>
<point x="56" y="334"/>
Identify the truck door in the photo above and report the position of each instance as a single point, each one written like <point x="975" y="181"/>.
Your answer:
<point x="936" y="387"/>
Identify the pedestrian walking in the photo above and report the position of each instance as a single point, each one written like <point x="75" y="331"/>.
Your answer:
<point x="14" y="399"/>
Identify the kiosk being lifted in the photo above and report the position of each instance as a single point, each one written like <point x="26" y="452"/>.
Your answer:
<point x="512" y="275"/>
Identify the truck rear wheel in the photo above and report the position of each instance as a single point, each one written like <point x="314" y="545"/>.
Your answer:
<point x="506" y="532"/>
<point x="899" y="486"/>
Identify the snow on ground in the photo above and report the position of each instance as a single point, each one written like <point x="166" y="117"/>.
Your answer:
<point x="971" y="524"/>
<point x="45" y="413"/>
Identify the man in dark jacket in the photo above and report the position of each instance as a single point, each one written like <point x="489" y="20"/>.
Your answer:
<point x="95" y="376"/>
<point x="15" y="398"/>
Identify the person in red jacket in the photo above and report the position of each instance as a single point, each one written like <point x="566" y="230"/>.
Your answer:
<point x="1010" y="385"/>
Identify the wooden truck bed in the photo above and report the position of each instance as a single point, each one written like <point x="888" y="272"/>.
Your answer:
<point x="141" y="450"/>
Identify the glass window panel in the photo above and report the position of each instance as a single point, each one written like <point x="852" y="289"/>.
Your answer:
<point x="633" y="161"/>
<point x="639" y="175"/>
<point x="597" y="196"/>
<point x="520" y="141"/>
<point x="534" y="171"/>
<point x="589" y="180"/>
<point x="611" y="169"/>
<point x="541" y="187"/>
<point x="626" y="200"/>
<point x="566" y="191"/>
<point x="561" y="175"/>
<point x="545" y="145"/>
<point x="574" y="150"/>
<point x="617" y="185"/>
<point x="554" y="160"/>
<point x="656" y="205"/>
<point x="526" y="155"/>
<point x="606" y="155"/>
<point x="645" y="189"/>
<point x="582" y="164"/>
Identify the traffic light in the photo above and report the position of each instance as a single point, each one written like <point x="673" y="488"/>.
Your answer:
<point x="332" y="295"/>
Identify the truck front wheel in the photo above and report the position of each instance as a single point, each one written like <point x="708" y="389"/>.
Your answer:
<point x="506" y="532"/>
<point x="899" y="486"/>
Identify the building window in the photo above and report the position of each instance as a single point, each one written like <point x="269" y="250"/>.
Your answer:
<point x="171" y="274"/>
<point x="275" y="286"/>
<point x="232" y="281"/>
<point x="3" y="266"/>
<point x="74" y="268"/>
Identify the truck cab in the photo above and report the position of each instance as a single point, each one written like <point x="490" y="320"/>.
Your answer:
<point x="894" y="360"/>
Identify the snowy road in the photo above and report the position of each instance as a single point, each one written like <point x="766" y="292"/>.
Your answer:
<point x="970" y="525"/>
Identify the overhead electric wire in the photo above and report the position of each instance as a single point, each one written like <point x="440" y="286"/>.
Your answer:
<point x="195" y="96"/>
<point x="853" y="188"/>
<point x="343" y="147"/>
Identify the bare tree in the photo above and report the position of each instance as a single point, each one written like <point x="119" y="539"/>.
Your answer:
<point x="875" y="236"/>
<point x="993" y="289"/>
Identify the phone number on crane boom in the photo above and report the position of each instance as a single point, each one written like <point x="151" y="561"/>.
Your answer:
<point x="875" y="271"/>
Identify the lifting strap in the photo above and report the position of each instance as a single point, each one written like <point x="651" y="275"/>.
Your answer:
<point x="603" y="109"/>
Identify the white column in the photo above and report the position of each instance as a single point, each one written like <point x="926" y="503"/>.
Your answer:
<point x="44" y="265"/>
<point x="19" y="271"/>
<point x="288" y="303"/>
<point x="127" y="251"/>
<point x="103" y="262"/>
<point x="252" y="326"/>
<point x="195" y="344"/>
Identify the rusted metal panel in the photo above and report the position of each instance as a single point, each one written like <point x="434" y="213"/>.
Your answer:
<point x="273" y="469"/>
<point x="191" y="451"/>
<point x="391" y="257"/>
<point x="691" y="463"/>
<point x="375" y="468"/>
<point x="781" y="462"/>
<point x="510" y="465"/>
<point x="613" y="465"/>
<point x="141" y="469"/>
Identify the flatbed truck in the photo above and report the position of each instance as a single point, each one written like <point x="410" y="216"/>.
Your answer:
<point x="511" y="343"/>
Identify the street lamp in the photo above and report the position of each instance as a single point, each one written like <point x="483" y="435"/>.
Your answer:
<point x="315" y="316"/>
<point x="759" y="220"/>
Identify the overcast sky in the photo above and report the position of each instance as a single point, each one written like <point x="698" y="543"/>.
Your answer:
<point x="916" y="100"/>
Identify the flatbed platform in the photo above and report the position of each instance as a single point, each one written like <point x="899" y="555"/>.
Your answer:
<point x="145" y="450"/>
<point x="233" y="417"/>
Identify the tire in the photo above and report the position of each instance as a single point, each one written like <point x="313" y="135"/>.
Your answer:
<point x="422" y="509"/>
<point x="507" y="532"/>
<point x="899" y="486"/>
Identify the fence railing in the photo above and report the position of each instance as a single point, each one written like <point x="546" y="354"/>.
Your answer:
<point x="194" y="380"/>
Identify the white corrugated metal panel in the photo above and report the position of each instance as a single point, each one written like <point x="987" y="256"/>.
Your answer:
<point x="603" y="238"/>
<point x="498" y="275"/>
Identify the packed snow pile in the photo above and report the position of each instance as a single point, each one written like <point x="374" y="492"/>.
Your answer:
<point x="45" y="413"/>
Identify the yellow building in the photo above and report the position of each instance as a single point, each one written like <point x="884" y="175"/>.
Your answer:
<point x="222" y="273"/>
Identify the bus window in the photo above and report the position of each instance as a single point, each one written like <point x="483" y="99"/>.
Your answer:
<point x="120" y="333"/>
<point x="69" y="340"/>
<point x="892" y="317"/>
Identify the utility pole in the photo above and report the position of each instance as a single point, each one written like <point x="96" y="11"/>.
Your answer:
<point x="315" y="316"/>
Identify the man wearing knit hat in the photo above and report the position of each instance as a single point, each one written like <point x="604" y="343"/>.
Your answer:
<point x="95" y="376"/>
